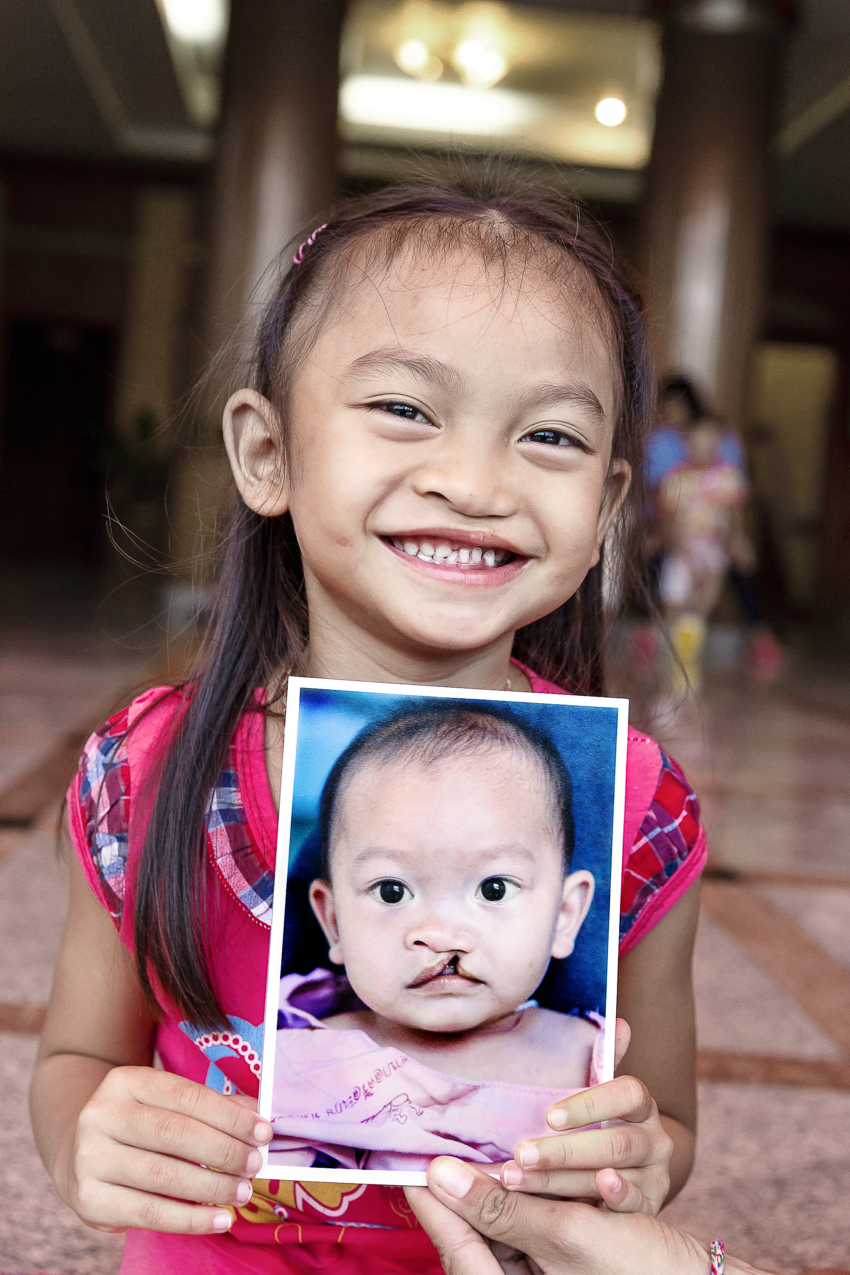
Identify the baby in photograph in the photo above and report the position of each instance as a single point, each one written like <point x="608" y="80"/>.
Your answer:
<point x="446" y="836"/>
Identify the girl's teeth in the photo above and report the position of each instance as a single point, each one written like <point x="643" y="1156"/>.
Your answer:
<point x="443" y="553"/>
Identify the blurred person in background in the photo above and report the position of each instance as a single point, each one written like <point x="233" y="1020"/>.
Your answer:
<point x="699" y="516"/>
<point x="681" y="411"/>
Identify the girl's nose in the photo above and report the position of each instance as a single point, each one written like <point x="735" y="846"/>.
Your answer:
<point x="470" y="475"/>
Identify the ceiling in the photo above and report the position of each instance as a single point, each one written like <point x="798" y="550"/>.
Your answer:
<point x="100" y="79"/>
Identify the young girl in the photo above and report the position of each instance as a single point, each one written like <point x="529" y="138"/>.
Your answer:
<point x="441" y="371"/>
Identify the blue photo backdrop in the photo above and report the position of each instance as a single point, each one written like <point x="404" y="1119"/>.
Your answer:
<point x="585" y="736"/>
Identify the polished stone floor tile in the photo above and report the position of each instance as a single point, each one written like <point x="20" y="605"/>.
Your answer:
<point x="37" y="1231"/>
<point x="33" y="902"/>
<point x="771" y="1176"/>
<point x="741" y="1009"/>
<point x="824" y="914"/>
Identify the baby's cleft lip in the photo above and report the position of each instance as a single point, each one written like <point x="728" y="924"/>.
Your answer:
<point x="448" y="967"/>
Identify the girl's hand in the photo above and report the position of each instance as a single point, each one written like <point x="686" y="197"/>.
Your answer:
<point x="131" y="1164"/>
<point x="636" y="1144"/>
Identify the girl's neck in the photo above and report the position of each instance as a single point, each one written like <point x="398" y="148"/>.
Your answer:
<point x="358" y="657"/>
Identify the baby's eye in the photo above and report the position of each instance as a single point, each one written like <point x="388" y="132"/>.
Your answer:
<point x="389" y="891"/>
<point x="405" y="410"/>
<point x="497" y="889"/>
<point x="551" y="438"/>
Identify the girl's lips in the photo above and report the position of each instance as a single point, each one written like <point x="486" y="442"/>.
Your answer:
<point x="451" y="574"/>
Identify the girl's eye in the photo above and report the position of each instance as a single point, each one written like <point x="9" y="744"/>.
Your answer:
<point x="406" y="411"/>
<point x="389" y="891"/>
<point x="551" y="438"/>
<point x="497" y="889"/>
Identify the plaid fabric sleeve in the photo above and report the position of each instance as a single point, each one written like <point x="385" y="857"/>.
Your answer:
<point x="101" y="800"/>
<point x="667" y="855"/>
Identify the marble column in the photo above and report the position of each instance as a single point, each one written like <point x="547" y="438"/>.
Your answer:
<point x="705" y="216"/>
<point x="274" y="173"/>
<point x="276" y="160"/>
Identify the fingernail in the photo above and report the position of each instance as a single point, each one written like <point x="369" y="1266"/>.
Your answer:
<point x="263" y="1131"/>
<point x="558" y="1119"/>
<point x="511" y="1175"/>
<point x="452" y="1177"/>
<point x="222" y="1221"/>
<point x="527" y="1155"/>
<point x="253" y="1163"/>
<point x="244" y="1191"/>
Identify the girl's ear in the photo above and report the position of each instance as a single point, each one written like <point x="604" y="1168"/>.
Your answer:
<point x="322" y="903"/>
<point x="617" y="484"/>
<point x="576" y="898"/>
<point x="254" y="441"/>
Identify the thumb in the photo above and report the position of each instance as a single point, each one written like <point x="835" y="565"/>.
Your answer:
<point x="520" y="1221"/>
<point x="622" y="1040"/>
<point x="462" y="1250"/>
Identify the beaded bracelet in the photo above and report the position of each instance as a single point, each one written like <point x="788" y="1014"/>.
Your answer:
<point x="717" y="1257"/>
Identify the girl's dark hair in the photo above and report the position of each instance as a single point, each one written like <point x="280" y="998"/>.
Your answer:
<point x="430" y="732"/>
<point x="259" y="631"/>
<point x="683" y="387"/>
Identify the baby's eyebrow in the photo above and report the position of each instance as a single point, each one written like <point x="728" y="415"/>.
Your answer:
<point x="392" y="359"/>
<point x="488" y="855"/>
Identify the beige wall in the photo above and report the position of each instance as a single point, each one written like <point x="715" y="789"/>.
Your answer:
<point x="161" y="256"/>
<point x="793" y="394"/>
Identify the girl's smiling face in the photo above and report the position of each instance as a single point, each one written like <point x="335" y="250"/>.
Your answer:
<point x="449" y="463"/>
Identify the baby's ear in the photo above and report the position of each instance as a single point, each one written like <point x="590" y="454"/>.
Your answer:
<point x="322" y="903"/>
<point x="576" y="898"/>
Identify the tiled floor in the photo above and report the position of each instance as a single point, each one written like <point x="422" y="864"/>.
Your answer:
<point x="772" y="965"/>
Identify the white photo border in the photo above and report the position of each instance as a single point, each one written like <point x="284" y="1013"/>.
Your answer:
<point x="377" y="1177"/>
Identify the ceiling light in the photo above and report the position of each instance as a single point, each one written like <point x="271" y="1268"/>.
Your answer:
<point x="196" y="21"/>
<point x="479" y="65"/>
<point x="414" y="57"/>
<point x="610" y="111"/>
<point x="393" y="102"/>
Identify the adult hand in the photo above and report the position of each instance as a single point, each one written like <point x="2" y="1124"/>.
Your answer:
<point x="479" y="1228"/>
<point x="141" y="1145"/>
<point x="636" y="1144"/>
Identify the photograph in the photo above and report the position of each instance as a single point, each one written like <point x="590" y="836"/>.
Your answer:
<point x="444" y="938"/>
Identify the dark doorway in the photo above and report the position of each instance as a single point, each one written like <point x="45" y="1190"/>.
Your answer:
<point x="55" y="432"/>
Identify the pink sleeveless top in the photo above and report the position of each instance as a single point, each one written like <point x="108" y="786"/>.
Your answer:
<point x="291" y="1226"/>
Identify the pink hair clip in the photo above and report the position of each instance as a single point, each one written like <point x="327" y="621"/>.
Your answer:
<point x="299" y="255"/>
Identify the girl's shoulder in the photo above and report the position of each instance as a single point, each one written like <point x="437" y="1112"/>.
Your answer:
<point x="100" y="795"/>
<point x="664" y="845"/>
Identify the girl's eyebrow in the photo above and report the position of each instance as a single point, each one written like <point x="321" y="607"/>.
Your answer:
<point x="572" y="392"/>
<point x="392" y="359"/>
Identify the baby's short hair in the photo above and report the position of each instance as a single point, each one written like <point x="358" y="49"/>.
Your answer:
<point x="430" y="732"/>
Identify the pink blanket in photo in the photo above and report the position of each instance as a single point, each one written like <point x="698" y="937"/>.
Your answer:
<point x="338" y="1094"/>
